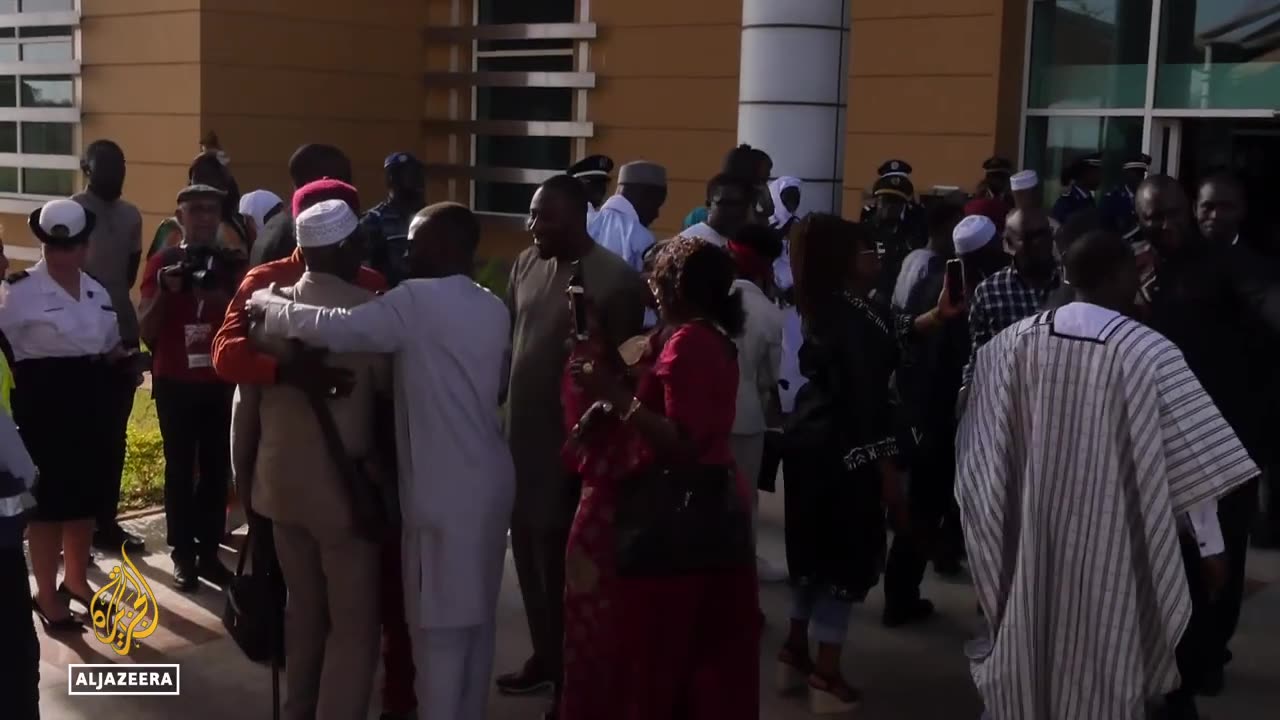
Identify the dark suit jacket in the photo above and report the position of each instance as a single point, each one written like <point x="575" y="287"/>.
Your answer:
<point x="275" y="242"/>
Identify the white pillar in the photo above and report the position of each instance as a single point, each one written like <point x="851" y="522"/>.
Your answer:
<point x="793" y="89"/>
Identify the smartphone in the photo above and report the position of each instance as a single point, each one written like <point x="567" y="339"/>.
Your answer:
<point x="955" y="280"/>
<point x="577" y="293"/>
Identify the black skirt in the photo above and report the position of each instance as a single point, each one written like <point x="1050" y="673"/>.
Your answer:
<point x="63" y="409"/>
<point x="835" y="527"/>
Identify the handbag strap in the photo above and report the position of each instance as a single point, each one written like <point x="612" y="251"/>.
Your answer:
<point x="244" y="551"/>
<point x="333" y="442"/>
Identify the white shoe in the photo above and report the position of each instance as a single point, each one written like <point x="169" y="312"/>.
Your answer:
<point x="768" y="572"/>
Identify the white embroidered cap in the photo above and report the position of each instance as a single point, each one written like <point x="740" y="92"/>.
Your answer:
<point x="973" y="233"/>
<point x="1024" y="180"/>
<point x="328" y="222"/>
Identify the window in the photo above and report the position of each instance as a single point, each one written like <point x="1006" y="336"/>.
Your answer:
<point x="521" y="152"/>
<point x="1089" y="53"/>
<point x="42" y="181"/>
<point x="42" y="44"/>
<point x="39" y="104"/>
<point x="503" y="12"/>
<point x="1053" y="143"/>
<point x="48" y="5"/>
<point x="46" y="138"/>
<point x="48" y="91"/>
<point x="1219" y="54"/>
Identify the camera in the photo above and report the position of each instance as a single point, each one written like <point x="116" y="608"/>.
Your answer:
<point x="209" y="267"/>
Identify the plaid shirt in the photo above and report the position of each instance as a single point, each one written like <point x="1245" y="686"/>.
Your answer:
<point x="1000" y="301"/>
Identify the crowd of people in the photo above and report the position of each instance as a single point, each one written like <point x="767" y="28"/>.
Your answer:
<point x="1072" y="403"/>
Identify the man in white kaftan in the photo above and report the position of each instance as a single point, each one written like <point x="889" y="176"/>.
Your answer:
<point x="451" y="342"/>
<point x="1085" y="441"/>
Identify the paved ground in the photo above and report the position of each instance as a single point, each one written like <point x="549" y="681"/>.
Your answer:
<point x="910" y="674"/>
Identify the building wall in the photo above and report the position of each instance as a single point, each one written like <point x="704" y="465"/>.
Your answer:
<point x="279" y="73"/>
<point x="269" y="75"/>
<point x="667" y="91"/>
<point x="936" y="83"/>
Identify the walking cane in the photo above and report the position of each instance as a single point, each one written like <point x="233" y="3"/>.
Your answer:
<point x="277" y="645"/>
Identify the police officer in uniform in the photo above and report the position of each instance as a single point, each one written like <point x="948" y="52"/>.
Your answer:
<point x="387" y="223"/>
<point x="68" y="360"/>
<point x="912" y="222"/>
<point x="593" y="173"/>
<point x="1117" y="206"/>
<point x="893" y="226"/>
<point x="995" y="182"/>
<point x="1080" y="182"/>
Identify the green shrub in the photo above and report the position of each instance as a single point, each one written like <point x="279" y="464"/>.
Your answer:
<point x="142" y="484"/>
<point x="493" y="274"/>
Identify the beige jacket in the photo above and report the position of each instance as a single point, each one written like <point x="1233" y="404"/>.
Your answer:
<point x="295" y="481"/>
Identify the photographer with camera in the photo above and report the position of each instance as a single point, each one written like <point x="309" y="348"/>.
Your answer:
<point x="185" y="292"/>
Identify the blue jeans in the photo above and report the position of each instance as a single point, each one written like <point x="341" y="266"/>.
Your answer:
<point x="827" y="615"/>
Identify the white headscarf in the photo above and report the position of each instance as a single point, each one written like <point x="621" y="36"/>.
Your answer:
<point x="780" y="213"/>
<point x="257" y="204"/>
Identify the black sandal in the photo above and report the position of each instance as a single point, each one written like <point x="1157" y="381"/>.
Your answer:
<point x="66" y="625"/>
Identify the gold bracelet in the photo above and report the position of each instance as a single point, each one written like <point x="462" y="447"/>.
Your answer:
<point x="631" y="409"/>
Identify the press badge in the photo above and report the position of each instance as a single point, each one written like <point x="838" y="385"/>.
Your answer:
<point x="199" y="342"/>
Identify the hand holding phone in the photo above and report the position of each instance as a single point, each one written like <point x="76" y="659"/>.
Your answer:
<point x="955" y="281"/>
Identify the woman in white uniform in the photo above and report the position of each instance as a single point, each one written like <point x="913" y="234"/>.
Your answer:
<point x="66" y="346"/>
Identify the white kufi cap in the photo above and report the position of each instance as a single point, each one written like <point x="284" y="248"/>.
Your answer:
<point x="1025" y="180"/>
<point x="973" y="233"/>
<point x="326" y="223"/>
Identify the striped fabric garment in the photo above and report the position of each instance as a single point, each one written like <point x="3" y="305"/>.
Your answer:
<point x="1086" y="435"/>
<point x="17" y="475"/>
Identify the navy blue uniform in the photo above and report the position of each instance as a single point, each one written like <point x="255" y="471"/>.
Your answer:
<point x="388" y="251"/>
<point x="1118" y="211"/>
<point x="1072" y="201"/>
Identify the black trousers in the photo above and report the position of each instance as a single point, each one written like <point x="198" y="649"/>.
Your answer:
<point x="120" y="407"/>
<point x="20" y="679"/>
<point x="1235" y="514"/>
<point x="195" y="422"/>
<point x="1268" y="526"/>
<point x="1192" y="653"/>
<point x="935" y="526"/>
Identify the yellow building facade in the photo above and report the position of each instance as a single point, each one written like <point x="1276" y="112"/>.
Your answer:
<point x="494" y="95"/>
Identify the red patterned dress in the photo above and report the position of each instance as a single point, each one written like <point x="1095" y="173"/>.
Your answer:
<point x="679" y="648"/>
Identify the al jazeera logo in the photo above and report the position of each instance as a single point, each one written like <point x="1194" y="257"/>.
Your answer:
<point x="124" y="611"/>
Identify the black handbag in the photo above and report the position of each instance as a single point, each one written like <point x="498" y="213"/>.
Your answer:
<point x="681" y="520"/>
<point x="254" y="611"/>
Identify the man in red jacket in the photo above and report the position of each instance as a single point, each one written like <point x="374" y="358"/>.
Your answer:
<point x="237" y="360"/>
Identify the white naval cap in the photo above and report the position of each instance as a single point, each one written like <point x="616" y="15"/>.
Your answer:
<point x="328" y="222"/>
<point x="69" y="215"/>
<point x="61" y="221"/>
<point x="1025" y="180"/>
<point x="973" y="233"/>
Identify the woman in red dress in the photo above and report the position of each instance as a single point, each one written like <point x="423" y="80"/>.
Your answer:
<point x="657" y="648"/>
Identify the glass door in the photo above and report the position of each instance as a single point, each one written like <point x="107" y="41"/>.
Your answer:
<point x="1166" y="146"/>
